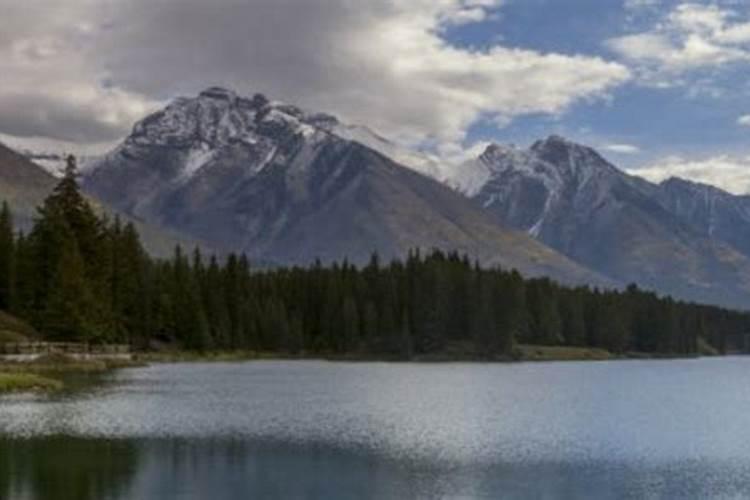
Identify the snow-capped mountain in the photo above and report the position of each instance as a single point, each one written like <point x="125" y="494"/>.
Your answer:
<point x="714" y="213"/>
<point x="219" y="118"/>
<point x="288" y="185"/>
<point x="532" y="188"/>
<point x="572" y="199"/>
<point x="54" y="163"/>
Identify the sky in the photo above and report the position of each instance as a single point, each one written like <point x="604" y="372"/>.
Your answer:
<point x="660" y="87"/>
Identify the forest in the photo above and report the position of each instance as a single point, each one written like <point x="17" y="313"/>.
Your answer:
<point x="78" y="276"/>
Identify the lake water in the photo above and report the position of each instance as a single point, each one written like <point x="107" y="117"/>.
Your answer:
<point x="625" y="429"/>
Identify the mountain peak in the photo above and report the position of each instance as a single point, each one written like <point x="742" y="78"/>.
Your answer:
<point x="558" y="139"/>
<point x="220" y="93"/>
<point x="555" y="143"/>
<point x="494" y="151"/>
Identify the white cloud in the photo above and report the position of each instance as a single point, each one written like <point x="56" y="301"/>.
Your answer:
<point x="691" y="36"/>
<point x="726" y="172"/>
<point x="624" y="149"/>
<point x="632" y="5"/>
<point x="744" y="121"/>
<point x="83" y="70"/>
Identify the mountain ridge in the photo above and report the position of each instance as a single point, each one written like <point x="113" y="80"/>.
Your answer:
<point x="277" y="182"/>
<point x="571" y="198"/>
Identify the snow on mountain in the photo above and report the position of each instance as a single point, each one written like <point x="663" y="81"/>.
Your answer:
<point x="530" y="185"/>
<point x="219" y="119"/>
<point x="424" y="163"/>
<point x="54" y="163"/>
<point x="288" y="185"/>
<point x="664" y="237"/>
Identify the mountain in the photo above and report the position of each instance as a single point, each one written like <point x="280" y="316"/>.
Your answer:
<point x="290" y="186"/>
<point x="714" y="213"/>
<point x="54" y="163"/>
<point x="572" y="199"/>
<point x="25" y="185"/>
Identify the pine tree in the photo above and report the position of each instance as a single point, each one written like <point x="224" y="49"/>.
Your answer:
<point x="370" y="325"/>
<point x="66" y="316"/>
<point x="546" y="324"/>
<point x="573" y="319"/>
<point x="406" y="344"/>
<point x="485" y="336"/>
<point x="24" y="284"/>
<point x="7" y="258"/>
<point x="350" y="339"/>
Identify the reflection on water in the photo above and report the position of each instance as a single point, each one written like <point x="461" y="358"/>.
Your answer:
<point x="66" y="468"/>
<point x="82" y="469"/>
<point x="672" y="429"/>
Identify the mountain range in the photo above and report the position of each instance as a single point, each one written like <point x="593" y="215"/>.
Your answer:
<point x="673" y="237"/>
<point x="289" y="186"/>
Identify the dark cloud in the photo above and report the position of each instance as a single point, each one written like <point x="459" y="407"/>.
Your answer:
<point x="34" y="115"/>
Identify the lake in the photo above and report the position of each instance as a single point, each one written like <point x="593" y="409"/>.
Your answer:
<point x="308" y="429"/>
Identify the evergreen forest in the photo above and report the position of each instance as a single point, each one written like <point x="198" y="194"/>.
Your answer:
<point x="79" y="276"/>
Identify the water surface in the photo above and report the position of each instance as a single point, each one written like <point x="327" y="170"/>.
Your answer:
<point x="660" y="429"/>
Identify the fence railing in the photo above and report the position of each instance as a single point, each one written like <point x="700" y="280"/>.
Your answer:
<point x="62" y="348"/>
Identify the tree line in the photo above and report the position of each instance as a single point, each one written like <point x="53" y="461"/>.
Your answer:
<point x="78" y="276"/>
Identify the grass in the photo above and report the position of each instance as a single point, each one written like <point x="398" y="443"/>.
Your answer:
<point x="453" y="352"/>
<point x="59" y="363"/>
<point x="561" y="353"/>
<point x="45" y="374"/>
<point x="212" y="356"/>
<point x="24" y="382"/>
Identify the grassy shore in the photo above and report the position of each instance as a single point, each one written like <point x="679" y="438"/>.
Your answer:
<point x="27" y="382"/>
<point x="46" y="373"/>
<point x="60" y="364"/>
<point x="561" y="353"/>
<point x="453" y="353"/>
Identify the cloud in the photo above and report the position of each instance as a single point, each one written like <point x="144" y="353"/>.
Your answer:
<point x="624" y="149"/>
<point x="687" y="38"/>
<point x="51" y="85"/>
<point x="726" y="172"/>
<point x="635" y="5"/>
<point x="744" y="121"/>
<point x="84" y="70"/>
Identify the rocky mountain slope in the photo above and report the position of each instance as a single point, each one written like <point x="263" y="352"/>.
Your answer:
<point x="572" y="199"/>
<point x="290" y="186"/>
<point x="25" y="185"/>
<point x="714" y="213"/>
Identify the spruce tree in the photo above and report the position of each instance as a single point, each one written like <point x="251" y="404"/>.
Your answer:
<point x="67" y="312"/>
<point x="7" y="258"/>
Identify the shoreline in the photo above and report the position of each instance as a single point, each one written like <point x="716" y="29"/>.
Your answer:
<point x="46" y="375"/>
<point x="522" y="354"/>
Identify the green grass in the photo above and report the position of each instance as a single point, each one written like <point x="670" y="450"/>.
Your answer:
<point x="23" y="382"/>
<point x="212" y="356"/>
<point x="47" y="373"/>
<point x="561" y="353"/>
<point x="59" y="363"/>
